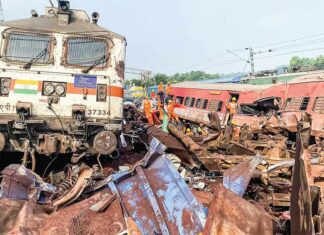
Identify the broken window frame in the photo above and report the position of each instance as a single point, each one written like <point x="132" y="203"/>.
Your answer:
<point x="6" y="36"/>
<point x="187" y="101"/>
<point x="105" y="38"/>
<point x="216" y="105"/>
<point x="198" y="103"/>
<point x="320" y="108"/>
<point x="192" y="102"/>
<point x="295" y="104"/>
<point x="180" y="99"/>
<point x="205" y="104"/>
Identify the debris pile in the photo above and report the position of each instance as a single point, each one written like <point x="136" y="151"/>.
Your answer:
<point x="197" y="178"/>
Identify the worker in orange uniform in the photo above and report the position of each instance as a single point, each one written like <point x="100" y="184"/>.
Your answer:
<point x="232" y="108"/>
<point x="168" y="89"/>
<point x="168" y="92"/>
<point x="147" y="110"/>
<point x="160" y="108"/>
<point x="171" y="114"/>
<point x="153" y="95"/>
<point x="161" y="92"/>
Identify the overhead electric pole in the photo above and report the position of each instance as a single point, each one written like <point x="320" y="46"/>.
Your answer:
<point x="251" y="59"/>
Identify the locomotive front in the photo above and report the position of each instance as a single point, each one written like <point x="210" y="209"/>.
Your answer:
<point x="61" y="84"/>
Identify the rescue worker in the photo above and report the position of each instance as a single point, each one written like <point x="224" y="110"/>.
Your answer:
<point x="147" y="110"/>
<point x="168" y="92"/>
<point x="232" y="108"/>
<point x="203" y="130"/>
<point x="189" y="132"/>
<point x="161" y="92"/>
<point x="160" y="108"/>
<point x="171" y="114"/>
<point x="168" y="89"/>
<point x="160" y="87"/>
<point x="153" y="95"/>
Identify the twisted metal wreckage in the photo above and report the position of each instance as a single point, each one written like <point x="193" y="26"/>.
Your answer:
<point x="235" y="180"/>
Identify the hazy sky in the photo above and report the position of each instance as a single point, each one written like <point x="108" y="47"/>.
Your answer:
<point x="171" y="36"/>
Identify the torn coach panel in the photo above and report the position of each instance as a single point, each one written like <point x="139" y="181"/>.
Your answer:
<point x="158" y="200"/>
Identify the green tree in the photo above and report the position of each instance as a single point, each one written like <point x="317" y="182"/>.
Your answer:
<point x="161" y="78"/>
<point x="295" y="62"/>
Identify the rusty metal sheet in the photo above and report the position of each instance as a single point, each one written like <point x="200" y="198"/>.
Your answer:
<point x="230" y="214"/>
<point x="21" y="183"/>
<point x="174" y="146"/>
<point x="235" y="148"/>
<point x="301" y="206"/>
<point x="203" y="155"/>
<point x="158" y="200"/>
<point x="26" y="217"/>
<point x="238" y="178"/>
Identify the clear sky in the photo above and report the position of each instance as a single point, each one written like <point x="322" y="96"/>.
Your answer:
<point x="169" y="36"/>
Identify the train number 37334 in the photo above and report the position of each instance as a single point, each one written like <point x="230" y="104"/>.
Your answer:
<point x="99" y="112"/>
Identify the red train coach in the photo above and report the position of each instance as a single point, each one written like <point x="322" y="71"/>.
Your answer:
<point x="292" y="99"/>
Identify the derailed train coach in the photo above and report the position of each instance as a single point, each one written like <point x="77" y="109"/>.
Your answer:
<point x="61" y="83"/>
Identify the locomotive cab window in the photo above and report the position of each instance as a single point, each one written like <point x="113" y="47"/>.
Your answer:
<point x="31" y="48"/>
<point x="85" y="52"/>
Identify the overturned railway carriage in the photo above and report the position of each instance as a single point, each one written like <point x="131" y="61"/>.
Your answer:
<point x="61" y="84"/>
<point x="198" y="99"/>
<point x="292" y="99"/>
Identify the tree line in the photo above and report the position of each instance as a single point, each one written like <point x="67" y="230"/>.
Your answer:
<point x="296" y="64"/>
<point x="180" y="77"/>
<point x="299" y="63"/>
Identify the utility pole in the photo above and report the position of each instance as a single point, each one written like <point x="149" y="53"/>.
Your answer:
<point x="251" y="59"/>
<point x="145" y="76"/>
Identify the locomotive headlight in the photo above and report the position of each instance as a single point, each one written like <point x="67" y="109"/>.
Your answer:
<point x="101" y="93"/>
<point x="101" y="96"/>
<point x="102" y="89"/>
<point x="60" y="89"/>
<point x="48" y="89"/>
<point x="5" y="83"/>
<point x="4" y="86"/>
<point x="4" y="90"/>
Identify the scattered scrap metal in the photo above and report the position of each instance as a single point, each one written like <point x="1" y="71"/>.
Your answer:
<point x="233" y="179"/>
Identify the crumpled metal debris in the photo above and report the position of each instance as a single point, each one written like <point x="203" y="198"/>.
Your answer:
<point x="156" y="197"/>
<point x="161" y="183"/>
<point x="230" y="214"/>
<point x="238" y="178"/>
<point x="304" y="209"/>
<point x="201" y="153"/>
<point x="21" y="183"/>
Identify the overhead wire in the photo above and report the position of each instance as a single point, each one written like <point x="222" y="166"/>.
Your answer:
<point x="222" y="64"/>
<point x="291" y="52"/>
<point x="287" y="41"/>
<point x="285" y="45"/>
<point x="317" y="41"/>
<point x="201" y="63"/>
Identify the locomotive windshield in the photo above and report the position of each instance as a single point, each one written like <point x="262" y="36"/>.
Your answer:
<point x="24" y="47"/>
<point x="87" y="52"/>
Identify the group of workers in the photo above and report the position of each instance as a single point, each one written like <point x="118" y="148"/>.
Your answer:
<point x="164" y="98"/>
